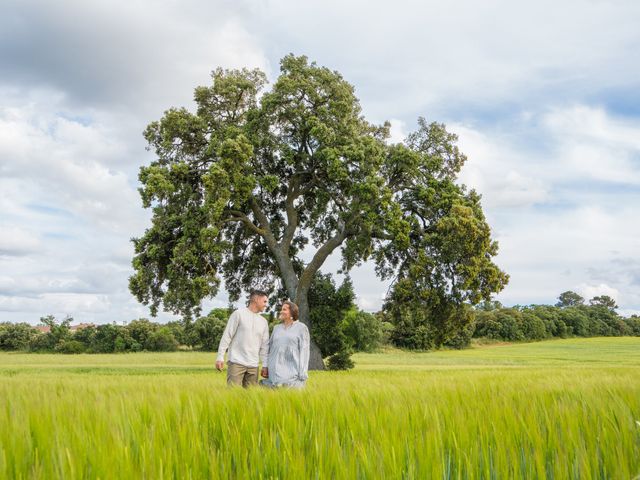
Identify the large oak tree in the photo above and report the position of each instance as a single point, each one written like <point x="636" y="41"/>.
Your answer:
<point x="244" y="184"/>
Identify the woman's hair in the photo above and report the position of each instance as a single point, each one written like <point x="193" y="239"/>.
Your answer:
<point x="293" y="309"/>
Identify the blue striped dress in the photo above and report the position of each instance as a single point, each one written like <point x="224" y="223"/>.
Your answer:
<point x="288" y="360"/>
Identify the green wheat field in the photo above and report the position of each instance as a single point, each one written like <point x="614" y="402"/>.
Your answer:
<point x="556" y="409"/>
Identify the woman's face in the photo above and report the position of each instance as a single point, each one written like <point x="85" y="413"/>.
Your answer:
<point x="285" y="312"/>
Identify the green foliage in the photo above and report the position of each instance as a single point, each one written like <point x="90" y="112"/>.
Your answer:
<point x="111" y="338"/>
<point x="569" y="299"/>
<point x="58" y="334"/>
<point x="70" y="346"/>
<point x="364" y="331"/>
<point x="16" y="336"/>
<point x="633" y="323"/>
<point x="426" y="318"/>
<point x="340" y="360"/>
<point x="328" y="306"/>
<point x="571" y="318"/>
<point x="563" y="409"/>
<point x="162" y="340"/>
<point x="86" y="335"/>
<point x="461" y="337"/>
<point x="209" y="328"/>
<point x="140" y="331"/>
<point x="603" y="301"/>
<point x="242" y="184"/>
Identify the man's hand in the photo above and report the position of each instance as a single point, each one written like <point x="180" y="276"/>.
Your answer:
<point x="219" y="364"/>
<point x="265" y="372"/>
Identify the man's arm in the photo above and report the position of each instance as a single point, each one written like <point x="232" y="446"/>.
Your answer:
<point x="227" y="336"/>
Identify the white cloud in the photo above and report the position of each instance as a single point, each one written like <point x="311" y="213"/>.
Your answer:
<point x="70" y="163"/>
<point x="425" y="57"/>
<point x="18" y="241"/>
<point x="504" y="175"/>
<point x="397" y="131"/>
<point x="589" y="291"/>
<point x="558" y="173"/>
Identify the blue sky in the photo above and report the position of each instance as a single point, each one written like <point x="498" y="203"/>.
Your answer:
<point x="544" y="97"/>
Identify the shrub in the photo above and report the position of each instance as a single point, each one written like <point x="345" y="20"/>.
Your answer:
<point x="70" y="346"/>
<point x="140" y="330"/>
<point x="363" y="330"/>
<point x="40" y="342"/>
<point x="340" y="361"/>
<point x="633" y="323"/>
<point x="208" y="329"/>
<point x="533" y="328"/>
<point x="16" y="336"/>
<point x="162" y="340"/>
<point x="462" y="338"/>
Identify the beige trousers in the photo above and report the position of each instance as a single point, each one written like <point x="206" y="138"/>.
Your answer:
<point x="241" y="376"/>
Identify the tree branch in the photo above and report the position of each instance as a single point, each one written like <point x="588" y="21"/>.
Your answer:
<point x="238" y="216"/>
<point x="323" y="252"/>
<point x="292" y="213"/>
<point x="280" y="254"/>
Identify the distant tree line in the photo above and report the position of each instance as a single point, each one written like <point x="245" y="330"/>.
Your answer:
<point x="138" y="335"/>
<point x="341" y="328"/>
<point x="570" y="317"/>
<point x="417" y="328"/>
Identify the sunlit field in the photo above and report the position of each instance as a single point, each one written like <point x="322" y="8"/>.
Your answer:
<point x="557" y="409"/>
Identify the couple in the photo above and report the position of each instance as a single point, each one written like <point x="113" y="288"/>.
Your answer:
<point x="284" y="356"/>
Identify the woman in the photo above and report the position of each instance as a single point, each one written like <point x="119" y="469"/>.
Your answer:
<point x="288" y="360"/>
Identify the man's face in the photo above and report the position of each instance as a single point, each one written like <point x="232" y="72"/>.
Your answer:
<point x="260" y="302"/>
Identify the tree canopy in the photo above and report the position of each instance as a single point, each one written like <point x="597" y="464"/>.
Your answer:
<point x="244" y="184"/>
<point x="569" y="299"/>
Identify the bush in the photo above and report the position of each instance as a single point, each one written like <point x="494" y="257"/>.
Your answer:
<point x="486" y="325"/>
<point x="70" y="346"/>
<point x="162" y="340"/>
<point x="340" y="361"/>
<point x="208" y="329"/>
<point x="140" y="330"/>
<point x="58" y="333"/>
<point x="177" y="329"/>
<point x="104" y="339"/>
<point x="633" y="323"/>
<point x="327" y="308"/>
<point x="86" y="335"/>
<point x="533" y="328"/>
<point x="364" y="331"/>
<point x="16" y="336"/>
<point x="462" y="338"/>
<point x="40" y="342"/>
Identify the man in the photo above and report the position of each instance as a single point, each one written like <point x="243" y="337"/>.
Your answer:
<point x="247" y="338"/>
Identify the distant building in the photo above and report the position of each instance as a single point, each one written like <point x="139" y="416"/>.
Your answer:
<point x="80" y="326"/>
<point x="73" y="328"/>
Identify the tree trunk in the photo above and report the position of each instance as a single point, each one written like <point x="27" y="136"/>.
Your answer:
<point x="315" y="358"/>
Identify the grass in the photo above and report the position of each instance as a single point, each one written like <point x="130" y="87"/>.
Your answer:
<point x="557" y="409"/>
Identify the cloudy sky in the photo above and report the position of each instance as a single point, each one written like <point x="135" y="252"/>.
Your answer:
<point x="545" y="97"/>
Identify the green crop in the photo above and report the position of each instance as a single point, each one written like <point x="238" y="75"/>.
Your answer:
<point x="556" y="409"/>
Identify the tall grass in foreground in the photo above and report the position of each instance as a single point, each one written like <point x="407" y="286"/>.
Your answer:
<point x="484" y="420"/>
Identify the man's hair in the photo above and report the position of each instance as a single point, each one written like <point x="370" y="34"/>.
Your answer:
<point x="256" y="293"/>
<point x="293" y="309"/>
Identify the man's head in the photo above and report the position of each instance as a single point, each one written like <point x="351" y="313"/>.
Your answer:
<point x="257" y="301"/>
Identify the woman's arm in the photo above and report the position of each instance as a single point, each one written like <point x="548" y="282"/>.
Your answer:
<point x="304" y="343"/>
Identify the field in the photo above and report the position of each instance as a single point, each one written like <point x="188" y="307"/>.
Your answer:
<point x="556" y="409"/>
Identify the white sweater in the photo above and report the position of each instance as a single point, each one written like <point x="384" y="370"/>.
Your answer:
<point x="247" y="338"/>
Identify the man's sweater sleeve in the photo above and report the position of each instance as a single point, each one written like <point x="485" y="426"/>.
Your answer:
<point x="227" y="335"/>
